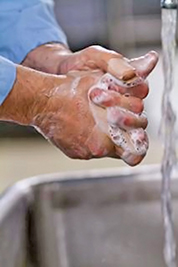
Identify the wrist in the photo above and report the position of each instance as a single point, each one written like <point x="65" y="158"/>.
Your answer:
<point x="47" y="57"/>
<point x="16" y="107"/>
<point x="29" y="95"/>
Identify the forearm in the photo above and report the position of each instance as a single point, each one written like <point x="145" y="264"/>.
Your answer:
<point x="27" y="96"/>
<point x="16" y="107"/>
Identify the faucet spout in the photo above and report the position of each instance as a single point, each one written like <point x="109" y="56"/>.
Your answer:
<point x="169" y="4"/>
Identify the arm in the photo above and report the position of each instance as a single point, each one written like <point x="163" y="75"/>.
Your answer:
<point x="20" y="90"/>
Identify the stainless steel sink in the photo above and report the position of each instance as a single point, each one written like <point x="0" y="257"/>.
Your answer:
<point x="85" y="219"/>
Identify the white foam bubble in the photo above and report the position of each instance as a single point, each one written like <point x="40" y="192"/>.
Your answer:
<point x="75" y="84"/>
<point x="131" y="141"/>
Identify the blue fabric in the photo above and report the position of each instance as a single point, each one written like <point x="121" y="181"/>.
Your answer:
<point x="7" y="77"/>
<point x="26" y="24"/>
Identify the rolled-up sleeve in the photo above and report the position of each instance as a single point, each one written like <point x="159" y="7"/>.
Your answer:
<point x="26" y="24"/>
<point x="7" y="77"/>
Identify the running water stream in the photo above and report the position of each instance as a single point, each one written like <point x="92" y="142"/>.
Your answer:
<point x="167" y="128"/>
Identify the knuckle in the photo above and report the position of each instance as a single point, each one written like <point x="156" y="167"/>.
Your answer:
<point x="92" y="48"/>
<point x="96" y="49"/>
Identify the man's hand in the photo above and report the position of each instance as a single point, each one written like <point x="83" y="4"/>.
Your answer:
<point x="127" y="78"/>
<point x="58" y="59"/>
<point x="60" y="107"/>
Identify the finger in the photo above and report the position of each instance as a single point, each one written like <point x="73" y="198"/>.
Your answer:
<point x="125" y="120"/>
<point x="106" y="99"/>
<point x="140" y="90"/>
<point x="131" y="159"/>
<point x="83" y="73"/>
<point x="128" y="157"/>
<point x="109" y="61"/>
<point x="130" y="146"/>
<point x="145" y="64"/>
<point x="99" y="144"/>
<point x="108" y="82"/>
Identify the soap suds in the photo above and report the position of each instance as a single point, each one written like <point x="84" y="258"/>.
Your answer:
<point x="132" y="141"/>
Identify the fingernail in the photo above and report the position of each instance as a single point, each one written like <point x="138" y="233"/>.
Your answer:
<point x="98" y="96"/>
<point x="129" y="74"/>
<point x="121" y="69"/>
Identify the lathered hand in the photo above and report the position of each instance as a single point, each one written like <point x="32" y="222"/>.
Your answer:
<point x="68" y="120"/>
<point x="121" y="119"/>
<point x="56" y="58"/>
<point x="78" y="114"/>
<point x="126" y="131"/>
<point x="59" y="108"/>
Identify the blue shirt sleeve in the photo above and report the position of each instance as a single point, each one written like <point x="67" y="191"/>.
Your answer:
<point x="26" y="24"/>
<point x="7" y="77"/>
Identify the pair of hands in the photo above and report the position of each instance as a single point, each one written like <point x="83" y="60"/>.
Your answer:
<point x="84" y="112"/>
<point x="95" y="121"/>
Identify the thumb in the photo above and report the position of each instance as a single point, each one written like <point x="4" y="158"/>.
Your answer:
<point x="109" y="61"/>
<point x="145" y="64"/>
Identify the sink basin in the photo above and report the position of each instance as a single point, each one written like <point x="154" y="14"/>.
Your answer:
<point x="85" y="219"/>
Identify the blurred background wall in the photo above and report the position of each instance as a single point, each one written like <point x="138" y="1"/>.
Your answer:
<point x="131" y="27"/>
<point x="114" y="23"/>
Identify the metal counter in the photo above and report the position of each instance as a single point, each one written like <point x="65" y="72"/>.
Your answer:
<point x="85" y="219"/>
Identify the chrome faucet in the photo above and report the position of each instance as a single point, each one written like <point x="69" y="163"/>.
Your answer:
<point x="169" y="4"/>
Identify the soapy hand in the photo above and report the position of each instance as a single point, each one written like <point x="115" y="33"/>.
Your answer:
<point x="122" y="126"/>
<point x="131" y="74"/>
<point x="124" y="129"/>
<point x="122" y="119"/>
<point x="73" y="123"/>
<point x="56" y="58"/>
<point x="130" y="139"/>
<point x="61" y="108"/>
